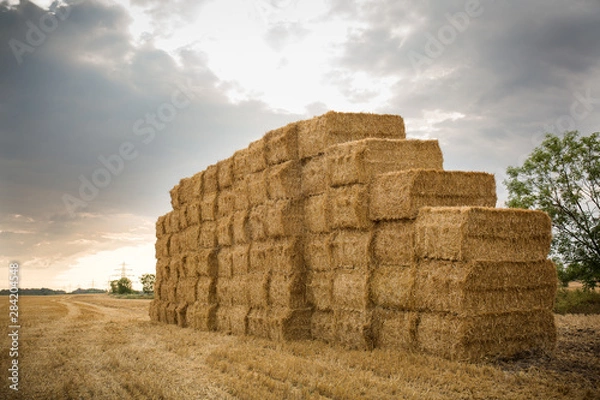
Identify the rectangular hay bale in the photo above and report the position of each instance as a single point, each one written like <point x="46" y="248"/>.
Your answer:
<point x="287" y="291"/>
<point x="240" y="224"/>
<point x="394" y="242"/>
<point x="225" y="263"/>
<point x="284" y="218"/>
<point x="208" y="207"/>
<point x="351" y="250"/>
<point x="225" y="173"/>
<point x="314" y="172"/>
<point x="322" y="326"/>
<point x="202" y="316"/>
<point x="240" y="256"/>
<point x="206" y="290"/>
<point x="258" y="289"/>
<point x="392" y="287"/>
<point x="319" y="290"/>
<point x="259" y="254"/>
<point x="225" y="203"/>
<point x="284" y="256"/>
<point x="351" y="291"/>
<point x="256" y="223"/>
<point x="286" y="324"/>
<point x="208" y="235"/>
<point x="354" y="329"/>
<point x="258" y="323"/>
<point x="395" y="329"/>
<point x="257" y="188"/>
<point x="317" y="252"/>
<point x="240" y="191"/>
<point x="284" y="180"/>
<point x="348" y="207"/>
<point x="210" y="181"/>
<point x="225" y="231"/>
<point x="316" y="213"/>
<point x="281" y="144"/>
<point x="256" y="160"/>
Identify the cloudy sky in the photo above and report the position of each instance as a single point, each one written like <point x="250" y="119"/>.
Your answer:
<point x="153" y="91"/>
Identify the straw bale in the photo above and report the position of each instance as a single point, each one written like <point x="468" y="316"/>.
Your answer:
<point x="400" y="195"/>
<point x="240" y="164"/>
<point x="259" y="253"/>
<point x="258" y="288"/>
<point x="286" y="324"/>
<point x="171" y="313"/>
<point x="483" y="234"/>
<point x="181" y="315"/>
<point x="162" y="265"/>
<point x="206" y="262"/>
<point x="153" y="311"/>
<point x="256" y="160"/>
<point x="284" y="180"/>
<point x="314" y="173"/>
<point x="225" y="231"/>
<point x="174" y="193"/>
<point x="161" y="246"/>
<point x="351" y="250"/>
<point x="394" y="242"/>
<point x="394" y="329"/>
<point x="182" y="218"/>
<point x="322" y="326"/>
<point x="210" y="180"/>
<point x="258" y="323"/>
<point x="239" y="290"/>
<point x="191" y="238"/>
<point x="224" y="290"/>
<point x="287" y="291"/>
<point x="193" y="214"/>
<point x="186" y="290"/>
<point x="348" y="207"/>
<point x="354" y="329"/>
<point x="315" y="213"/>
<point x="257" y="188"/>
<point x="206" y="290"/>
<point x="392" y="287"/>
<point x="240" y="259"/>
<point x="172" y="221"/>
<point x="281" y="144"/>
<point x="493" y="275"/>
<point x="225" y="263"/>
<point x="225" y="203"/>
<point x="208" y="207"/>
<point x="176" y="244"/>
<point x="284" y="256"/>
<point x="318" y="252"/>
<point x="225" y="173"/>
<point x="160" y="227"/>
<point x="208" y="234"/>
<point x="222" y="319"/>
<point x="486" y="336"/>
<point x="202" y="316"/>
<point x="190" y="189"/>
<point x="240" y="224"/>
<point x="284" y="218"/>
<point x="319" y="290"/>
<point x="238" y="318"/>
<point x="316" y="134"/>
<point x="351" y="290"/>
<point x="240" y="191"/>
<point x="359" y="161"/>
<point x="256" y="223"/>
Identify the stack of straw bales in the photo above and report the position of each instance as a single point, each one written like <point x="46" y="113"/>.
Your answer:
<point x="340" y="229"/>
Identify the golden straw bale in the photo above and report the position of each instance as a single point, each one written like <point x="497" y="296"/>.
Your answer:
<point x="257" y="188"/>
<point x="160" y="227"/>
<point x="208" y="207"/>
<point x="351" y="250"/>
<point x="494" y="275"/>
<point x="225" y="231"/>
<point x="359" y="161"/>
<point x="210" y="181"/>
<point x="191" y="237"/>
<point x="322" y="326"/>
<point x="284" y="218"/>
<point x="259" y="254"/>
<point x="174" y="193"/>
<point x="206" y="262"/>
<point x="162" y="312"/>
<point x="225" y="173"/>
<point x="258" y="288"/>
<point x="225" y="203"/>
<point x="354" y="329"/>
<point x="202" y="316"/>
<point x="351" y="290"/>
<point x="392" y="287"/>
<point x="224" y="290"/>
<point x="162" y="246"/>
<point x="208" y="234"/>
<point x="193" y="214"/>
<point x="258" y="323"/>
<point x="182" y="218"/>
<point x="240" y="259"/>
<point x="186" y="290"/>
<point x="256" y="160"/>
<point x="153" y="311"/>
<point x="318" y="133"/>
<point x="206" y="290"/>
<point x="172" y="221"/>
<point x="240" y="164"/>
<point x="239" y="290"/>
<point x="190" y="189"/>
<point x="171" y="313"/>
<point x="287" y="291"/>
<point x="400" y="195"/>
<point x="284" y="256"/>
<point x="394" y="242"/>
<point x="284" y="180"/>
<point x="176" y="244"/>
<point x="315" y="213"/>
<point x="483" y="234"/>
<point x="240" y="224"/>
<point x="485" y="336"/>
<point x="162" y="265"/>
<point x="394" y="329"/>
<point x="318" y="252"/>
<point x="281" y="144"/>
<point x="223" y="319"/>
<point x="286" y="324"/>
<point x="348" y="207"/>
<point x="240" y="191"/>
<point x="313" y="176"/>
<point x="181" y="315"/>
<point x="319" y="290"/>
<point x="256" y="223"/>
<point x="225" y="263"/>
<point x="238" y="318"/>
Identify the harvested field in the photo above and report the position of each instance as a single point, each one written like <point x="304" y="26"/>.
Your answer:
<point x="93" y="346"/>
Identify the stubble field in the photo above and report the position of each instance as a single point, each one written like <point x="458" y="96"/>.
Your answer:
<point x="97" y="347"/>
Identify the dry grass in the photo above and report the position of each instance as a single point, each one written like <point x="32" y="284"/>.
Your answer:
<point x="93" y="346"/>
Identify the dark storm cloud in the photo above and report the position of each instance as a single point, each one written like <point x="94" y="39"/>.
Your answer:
<point x="85" y="99"/>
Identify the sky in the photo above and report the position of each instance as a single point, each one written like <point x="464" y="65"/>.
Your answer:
<point x="105" y="105"/>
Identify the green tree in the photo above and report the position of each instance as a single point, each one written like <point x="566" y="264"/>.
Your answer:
<point x="114" y="287"/>
<point x="147" y="281"/>
<point x="123" y="286"/>
<point x="562" y="178"/>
